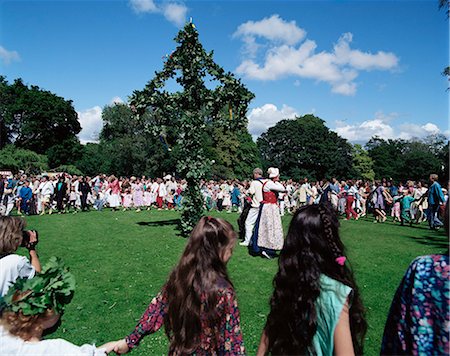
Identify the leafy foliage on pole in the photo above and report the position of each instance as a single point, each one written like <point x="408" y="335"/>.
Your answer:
<point x="192" y="110"/>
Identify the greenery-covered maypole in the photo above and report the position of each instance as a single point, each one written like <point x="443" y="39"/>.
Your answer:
<point x="187" y="113"/>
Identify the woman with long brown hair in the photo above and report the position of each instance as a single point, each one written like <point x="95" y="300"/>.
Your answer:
<point x="197" y="305"/>
<point x="315" y="308"/>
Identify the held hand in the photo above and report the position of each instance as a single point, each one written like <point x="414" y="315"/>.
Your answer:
<point x="108" y="347"/>
<point x="119" y="347"/>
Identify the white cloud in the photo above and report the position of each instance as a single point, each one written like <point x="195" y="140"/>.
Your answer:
<point x="360" y="60"/>
<point x="173" y="11"/>
<point x="263" y="117"/>
<point x="286" y="56"/>
<point x="143" y="6"/>
<point x="365" y="130"/>
<point x="272" y="28"/>
<point x="409" y="131"/>
<point x="8" y="56"/>
<point x="91" y="124"/>
<point x="382" y="125"/>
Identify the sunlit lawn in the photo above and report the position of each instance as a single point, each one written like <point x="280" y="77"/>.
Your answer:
<point x="121" y="260"/>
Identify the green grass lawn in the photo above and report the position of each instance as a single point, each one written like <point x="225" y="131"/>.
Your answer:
<point x="121" y="260"/>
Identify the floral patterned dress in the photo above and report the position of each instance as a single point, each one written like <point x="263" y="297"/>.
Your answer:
<point x="229" y="340"/>
<point x="419" y="319"/>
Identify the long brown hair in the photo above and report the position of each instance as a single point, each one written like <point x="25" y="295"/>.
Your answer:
<point x="310" y="250"/>
<point x="195" y="279"/>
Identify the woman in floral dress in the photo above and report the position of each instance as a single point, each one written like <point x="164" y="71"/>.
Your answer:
<point x="197" y="306"/>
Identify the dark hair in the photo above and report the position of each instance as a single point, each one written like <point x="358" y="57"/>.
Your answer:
<point x="310" y="249"/>
<point x="196" y="278"/>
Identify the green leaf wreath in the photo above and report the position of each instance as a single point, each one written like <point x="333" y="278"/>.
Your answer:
<point x="51" y="289"/>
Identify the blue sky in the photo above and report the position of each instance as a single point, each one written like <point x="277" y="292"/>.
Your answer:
<point x="365" y="67"/>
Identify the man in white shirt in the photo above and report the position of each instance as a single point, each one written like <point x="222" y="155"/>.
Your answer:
<point x="46" y="191"/>
<point x="255" y="191"/>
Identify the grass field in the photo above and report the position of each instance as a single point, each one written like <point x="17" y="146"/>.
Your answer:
<point x="121" y="260"/>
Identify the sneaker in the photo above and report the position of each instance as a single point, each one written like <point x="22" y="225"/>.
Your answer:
<point x="264" y="253"/>
<point x="243" y="244"/>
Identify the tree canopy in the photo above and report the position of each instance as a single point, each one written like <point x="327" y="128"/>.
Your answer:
<point x="305" y="147"/>
<point x="35" y="119"/>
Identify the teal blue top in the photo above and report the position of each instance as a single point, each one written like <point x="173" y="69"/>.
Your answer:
<point x="329" y="304"/>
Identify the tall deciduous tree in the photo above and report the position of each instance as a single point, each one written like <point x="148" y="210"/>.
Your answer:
<point x="192" y="109"/>
<point x="386" y="156"/>
<point x="129" y="148"/>
<point x="362" y="164"/>
<point x="36" y="119"/>
<point x="305" y="147"/>
<point x="407" y="159"/>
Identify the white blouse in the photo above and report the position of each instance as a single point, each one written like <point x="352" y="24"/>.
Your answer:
<point x="13" y="345"/>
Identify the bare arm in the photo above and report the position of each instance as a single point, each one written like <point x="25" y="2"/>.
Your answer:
<point x="263" y="345"/>
<point x="343" y="344"/>
<point x="34" y="259"/>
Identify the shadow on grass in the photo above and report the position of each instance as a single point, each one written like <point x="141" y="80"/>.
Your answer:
<point x="433" y="238"/>
<point x="160" y="223"/>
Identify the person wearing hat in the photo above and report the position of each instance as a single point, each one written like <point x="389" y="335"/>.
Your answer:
<point x="33" y="305"/>
<point x="267" y="235"/>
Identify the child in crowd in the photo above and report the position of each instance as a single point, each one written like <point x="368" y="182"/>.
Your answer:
<point x="148" y="197"/>
<point x="33" y="305"/>
<point x="72" y="198"/>
<point x="100" y="200"/>
<point x="315" y="307"/>
<point x="197" y="305"/>
<point x="127" y="199"/>
<point x="405" y="207"/>
<point x="169" y="200"/>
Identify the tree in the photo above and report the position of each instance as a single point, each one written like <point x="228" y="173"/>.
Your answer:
<point x="94" y="160"/>
<point x="15" y="159"/>
<point x="36" y="119"/>
<point x="386" y="157"/>
<point x="412" y="159"/>
<point x="418" y="161"/>
<point x="362" y="164"/>
<point x="192" y="110"/>
<point x="305" y="147"/>
<point x="65" y="153"/>
<point x="130" y="148"/>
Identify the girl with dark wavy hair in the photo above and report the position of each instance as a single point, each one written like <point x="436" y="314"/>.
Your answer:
<point x="197" y="305"/>
<point x="315" y="308"/>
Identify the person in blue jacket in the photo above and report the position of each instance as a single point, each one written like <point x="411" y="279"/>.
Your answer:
<point x="25" y="196"/>
<point x="435" y="199"/>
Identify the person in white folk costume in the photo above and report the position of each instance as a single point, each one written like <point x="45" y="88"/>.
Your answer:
<point x="267" y="236"/>
<point x="256" y="193"/>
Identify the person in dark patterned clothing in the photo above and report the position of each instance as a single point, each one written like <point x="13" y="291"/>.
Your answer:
<point x="197" y="306"/>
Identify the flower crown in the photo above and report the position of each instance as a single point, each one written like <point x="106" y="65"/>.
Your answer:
<point x="51" y="289"/>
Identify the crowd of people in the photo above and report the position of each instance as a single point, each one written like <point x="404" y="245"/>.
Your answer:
<point x="404" y="202"/>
